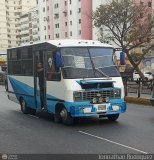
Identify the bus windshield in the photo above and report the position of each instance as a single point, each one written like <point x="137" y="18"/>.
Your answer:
<point x="85" y="62"/>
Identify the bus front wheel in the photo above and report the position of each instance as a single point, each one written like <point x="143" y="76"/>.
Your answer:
<point x="66" y="117"/>
<point x="113" y="117"/>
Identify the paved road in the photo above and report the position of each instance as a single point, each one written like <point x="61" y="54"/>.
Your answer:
<point x="19" y="133"/>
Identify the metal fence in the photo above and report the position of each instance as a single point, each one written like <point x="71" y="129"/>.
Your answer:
<point x="144" y="89"/>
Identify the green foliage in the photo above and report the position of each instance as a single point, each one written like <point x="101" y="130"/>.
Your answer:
<point x="123" y="22"/>
<point x="128" y="25"/>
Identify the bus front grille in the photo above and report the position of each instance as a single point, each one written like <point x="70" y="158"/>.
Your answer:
<point x="89" y="95"/>
<point x="93" y="94"/>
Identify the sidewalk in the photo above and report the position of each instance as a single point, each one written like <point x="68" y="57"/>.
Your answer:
<point x="143" y="101"/>
<point x="134" y="89"/>
<point x="136" y="100"/>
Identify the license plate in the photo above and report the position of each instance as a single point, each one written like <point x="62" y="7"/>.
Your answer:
<point x="101" y="107"/>
<point x="87" y="110"/>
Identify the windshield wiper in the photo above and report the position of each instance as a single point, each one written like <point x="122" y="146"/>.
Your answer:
<point x="98" y="70"/>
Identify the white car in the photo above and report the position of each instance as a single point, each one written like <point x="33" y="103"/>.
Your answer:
<point x="147" y="75"/>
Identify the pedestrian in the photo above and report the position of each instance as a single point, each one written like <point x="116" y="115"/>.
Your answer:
<point x="40" y="74"/>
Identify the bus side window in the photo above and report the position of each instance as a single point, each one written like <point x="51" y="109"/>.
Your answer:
<point x="27" y="61"/>
<point x="53" y="73"/>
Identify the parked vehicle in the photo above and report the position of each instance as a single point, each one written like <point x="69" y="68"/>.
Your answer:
<point x="147" y="75"/>
<point x="80" y="79"/>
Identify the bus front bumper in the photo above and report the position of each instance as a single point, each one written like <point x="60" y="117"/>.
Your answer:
<point x="104" y="109"/>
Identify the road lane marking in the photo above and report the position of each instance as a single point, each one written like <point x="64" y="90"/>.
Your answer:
<point x="104" y="139"/>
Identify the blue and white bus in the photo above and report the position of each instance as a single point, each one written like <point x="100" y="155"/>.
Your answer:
<point x="80" y="79"/>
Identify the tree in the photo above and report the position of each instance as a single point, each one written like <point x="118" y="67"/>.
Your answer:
<point x="129" y="25"/>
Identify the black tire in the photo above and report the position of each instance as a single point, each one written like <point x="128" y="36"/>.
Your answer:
<point x="32" y="111"/>
<point x="57" y="118"/>
<point x="66" y="117"/>
<point x="24" y="107"/>
<point x="113" y="117"/>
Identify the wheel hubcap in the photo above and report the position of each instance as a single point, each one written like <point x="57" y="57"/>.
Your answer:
<point x="63" y="114"/>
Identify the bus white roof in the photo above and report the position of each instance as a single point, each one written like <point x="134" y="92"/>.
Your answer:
<point x="71" y="43"/>
<point x="77" y="42"/>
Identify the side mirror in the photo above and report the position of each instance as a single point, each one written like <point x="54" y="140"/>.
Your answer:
<point x="122" y="58"/>
<point x="59" y="60"/>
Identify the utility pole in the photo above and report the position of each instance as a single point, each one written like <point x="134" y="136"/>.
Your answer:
<point x="152" y="99"/>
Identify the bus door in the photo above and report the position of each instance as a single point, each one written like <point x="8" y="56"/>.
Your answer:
<point x="40" y="79"/>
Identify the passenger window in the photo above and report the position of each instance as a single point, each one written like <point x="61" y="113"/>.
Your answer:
<point x="14" y="62"/>
<point x="27" y="61"/>
<point x="53" y="73"/>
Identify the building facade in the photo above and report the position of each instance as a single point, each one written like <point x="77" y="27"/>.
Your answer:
<point x="11" y="10"/>
<point x="96" y="4"/>
<point x="65" y="19"/>
<point x="29" y="32"/>
<point x="148" y="61"/>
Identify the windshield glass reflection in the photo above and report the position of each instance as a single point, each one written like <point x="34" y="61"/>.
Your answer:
<point x="83" y="62"/>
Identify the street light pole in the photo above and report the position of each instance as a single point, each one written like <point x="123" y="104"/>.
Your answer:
<point x="152" y="99"/>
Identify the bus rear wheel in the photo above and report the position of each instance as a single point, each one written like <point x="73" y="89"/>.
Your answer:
<point x="32" y="111"/>
<point x="24" y="107"/>
<point x="66" y="117"/>
<point x="113" y="117"/>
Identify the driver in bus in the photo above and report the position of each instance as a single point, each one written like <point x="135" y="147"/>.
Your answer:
<point x="40" y="74"/>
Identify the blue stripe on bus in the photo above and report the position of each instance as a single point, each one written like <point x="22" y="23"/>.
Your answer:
<point x="20" y="87"/>
<point x="23" y="90"/>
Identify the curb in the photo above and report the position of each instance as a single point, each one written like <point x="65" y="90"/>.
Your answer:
<point x="136" y="100"/>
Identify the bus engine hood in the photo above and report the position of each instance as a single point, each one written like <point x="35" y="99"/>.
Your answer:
<point x="93" y="84"/>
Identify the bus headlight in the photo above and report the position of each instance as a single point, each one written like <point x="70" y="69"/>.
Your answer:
<point x="94" y="100"/>
<point x="77" y="96"/>
<point x="117" y="93"/>
<point x="115" y="108"/>
<point x="100" y="100"/>
<point x="107" y="99"/>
